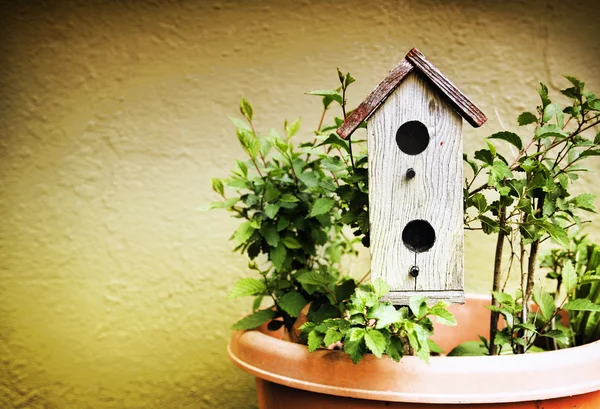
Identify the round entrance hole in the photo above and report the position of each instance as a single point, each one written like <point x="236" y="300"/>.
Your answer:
<point x="412" y="137"/>
<point x="418" y="236"/>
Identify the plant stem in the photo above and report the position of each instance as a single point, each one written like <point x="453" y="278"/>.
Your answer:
<point x="497" y="279"/>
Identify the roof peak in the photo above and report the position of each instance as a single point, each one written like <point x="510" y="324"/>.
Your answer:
<point x="414" y="61"/>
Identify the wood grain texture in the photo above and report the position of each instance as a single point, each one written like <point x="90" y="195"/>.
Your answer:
<point x="403" y="297"/>
<point x="434" y="194"/>
<point x="458" y="100"/>
<point x="375" y="99"/>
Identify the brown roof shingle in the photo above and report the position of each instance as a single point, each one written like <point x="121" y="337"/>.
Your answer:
<point x="414" y="60"/>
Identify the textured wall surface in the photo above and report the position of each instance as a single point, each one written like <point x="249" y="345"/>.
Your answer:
<point x="113" y="117"/>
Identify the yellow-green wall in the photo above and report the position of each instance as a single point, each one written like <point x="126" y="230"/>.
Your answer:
<point x="114" y="117"/>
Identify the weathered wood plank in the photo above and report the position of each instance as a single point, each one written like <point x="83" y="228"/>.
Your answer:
<point x="434" y="194"/>
<point x="376" y="98"/>
<point x="403" y="297"/>
<point x="459" y="101"/>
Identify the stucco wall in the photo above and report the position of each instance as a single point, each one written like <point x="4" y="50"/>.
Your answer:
<point x="114" y="117"/>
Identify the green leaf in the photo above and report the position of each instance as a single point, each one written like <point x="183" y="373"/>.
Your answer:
<point x="291" y="243"/>
<point x="558" y="335"/>
<point x="550" y="130"/>
<point x="217" y="186"/>
<point x="269" y="232"/>
<point x="569" y="276"/>
<point x="243" y="233"/>
<point x="549" y="112"/>
<point x="278" y="255"/>
<point x="375" y="341"/>
<point x="544" y="301"/>
<point x="597" y="139"/>
<point x="292" y="302"/>
<point x="288" y="198"/>
<point x="501" y="170"/>
<point x="385" y="314"/>
<point x="332" y="336"/>
<point x="254" y="320"/>
<point x="509" y="137"/>
<point x="247" y="286"/>
<point x="442" y="315"/>
<point x="469" y="348"/>
<point x="488" y="225"/>
<point x="354" y="344"/>
<point x="480" y="202"/>
<point x="485" y="156"/>
<point x="381" y="287"/>
<point x="335" y="140"/>
<point x="577" y="83"/>
<point x="585" y="201"/>
<point x="321" y="206"/>
<point x="246" y="109"/>
<point x="292" y="128"/>
<point x="418" y="305"/>
<point x="581" y="304"/>
<point x="543" y="91"/>
<point x="433" y="347"/>
<point x="315" y="340"/>
<point x="271" y="210"/>
<point x="331" y="93"/>
<point x="395" y="349"/>
<point x="239" y="124"/>
<point x="315" y="278"/>
<point x="526" y="118"/>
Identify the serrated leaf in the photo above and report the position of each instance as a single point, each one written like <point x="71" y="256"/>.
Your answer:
<point x="550" y="130"/>
<point x="442" y="315"/>
<point x="385" y="314"/>
<point x="254" y="320"/>
<point x="569" y="276"/>
<point x="332" y="336"/>
<point x="271" y="210"/>
<point x="292" y="302"/>
<point x="381" y="287"/>
<point x="315" y="278"/>
<point x="291" y="243"/>
<point x="581" y="304"/>
<point x="247" y="286"/>
<point x="315" y="340"/>
<point x="577" y="83"/>
<point x="375" y="341"/>
<point x="395" y="349"/>
<point x="526" y="118"/>
<point x="243" y="233"/>
<point x="585" y="201"/>
<point x="278" y="255"/>
<point x="269" y="232"/>
<point x="488" y="225"/>
<point x="288" y="198"/>
<point x="509" y="137"/>
<point x="321" y="206"/>
<point x="246" y="109"/>
<point x="544" y="301"/>
<point x="354" y="344"/>
<point x="485" y="156"/>
<point x="557" y="335"/>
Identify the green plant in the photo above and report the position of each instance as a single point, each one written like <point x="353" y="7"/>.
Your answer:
<point x="526" y="201"/>
<point x="297" y="202"/>
<point x="580" y="259"/>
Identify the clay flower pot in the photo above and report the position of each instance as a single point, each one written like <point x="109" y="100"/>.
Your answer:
<point x="290" y="377"/>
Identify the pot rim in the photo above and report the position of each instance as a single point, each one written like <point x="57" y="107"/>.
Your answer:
<point x="468" y="379"/>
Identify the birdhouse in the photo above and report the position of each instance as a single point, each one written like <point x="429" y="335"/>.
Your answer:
<point x="414" y="123"/>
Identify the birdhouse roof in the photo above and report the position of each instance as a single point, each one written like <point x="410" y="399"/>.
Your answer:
<point x="414" y="61"/>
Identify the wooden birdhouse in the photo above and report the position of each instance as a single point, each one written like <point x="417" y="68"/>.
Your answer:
<point x="414" y="123"/>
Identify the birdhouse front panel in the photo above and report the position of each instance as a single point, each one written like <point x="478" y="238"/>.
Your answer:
<point x="416" y="193"/>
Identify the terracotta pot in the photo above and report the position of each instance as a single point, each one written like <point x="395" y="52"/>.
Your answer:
<point x="290" y="377"/>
